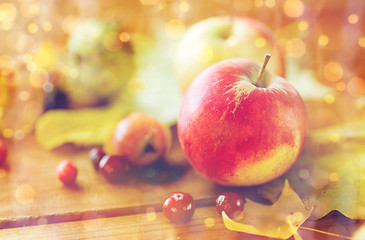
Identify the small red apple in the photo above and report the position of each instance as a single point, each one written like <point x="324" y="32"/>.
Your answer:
<point x="141" y="138"/>
<point x="240" y="125"/>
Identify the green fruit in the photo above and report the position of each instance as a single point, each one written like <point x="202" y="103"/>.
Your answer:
<point x="99" y="64"/>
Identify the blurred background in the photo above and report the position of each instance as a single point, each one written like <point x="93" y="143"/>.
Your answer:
<point x="47" y="60"/>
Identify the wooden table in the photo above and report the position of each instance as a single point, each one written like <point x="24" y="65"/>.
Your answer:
<point x="34" y="204"/>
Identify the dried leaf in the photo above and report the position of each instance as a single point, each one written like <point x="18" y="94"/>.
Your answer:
<point x="280" y="220"/>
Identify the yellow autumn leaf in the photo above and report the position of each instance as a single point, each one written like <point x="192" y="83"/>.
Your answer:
<point x="280" y="220"/>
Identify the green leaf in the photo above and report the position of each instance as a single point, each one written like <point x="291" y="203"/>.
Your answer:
<point x="83" y="127"/>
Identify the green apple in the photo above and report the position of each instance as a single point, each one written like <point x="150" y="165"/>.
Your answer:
<point x="218" y="38"/>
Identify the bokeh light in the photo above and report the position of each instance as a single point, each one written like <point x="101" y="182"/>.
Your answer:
<point x="293" y="8"/>
<point x="340" y="86"/>
<point x="356" y="86"/>
<point x="184" y="6"/>
<point x="323" y="40"/>
<point x="260" y="42"/>
<point x="303" y="26"/>
<point x="296" y="47"/>
<point x="25" y="194"/>
<point x="32" y="28"/>
<point x="209" y="222"/>
<point x="362" y="42"/>
<point x="334" y="177"/>
<point x="270" y="3"/>
<point x="149" y="2"/>
<point x="329" y="99"/>
<point x="353" y="18"/>
<point x="333" y="71"/>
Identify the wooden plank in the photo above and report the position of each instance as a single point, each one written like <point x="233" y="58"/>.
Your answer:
<point x="30" y="187"/>
<point x="205" y="224"/>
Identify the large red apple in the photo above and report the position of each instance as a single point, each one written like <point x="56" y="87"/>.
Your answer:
<point x="241" y="128"/>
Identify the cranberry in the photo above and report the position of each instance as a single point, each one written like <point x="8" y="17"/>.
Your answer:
<point x="3" y="152"/>
<point x="113" y="167"/>
<point x="95" y="155"/>
<point x="67" y="172"/>
<point x="179" y="207"/>
<point x="231" y="203"/>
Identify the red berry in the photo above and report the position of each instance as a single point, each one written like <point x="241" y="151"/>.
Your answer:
<point x="3" y="152"/>
<point x="113" y="167"/>
<point x="231" y="203"/>
<point x="67" y="172"/>
<point x="179" y="207"/>
<point x="95" y="155"/>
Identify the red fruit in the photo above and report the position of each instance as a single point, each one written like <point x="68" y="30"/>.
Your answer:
<point x="142" y="139"/>
<point x="231" y="203"/>
<point x="95" y="155"/>
<point x="179" y="207"/>
<point x="114" y="167"/>
<point x="3" y="152"/>
<point x="67" y="172"/>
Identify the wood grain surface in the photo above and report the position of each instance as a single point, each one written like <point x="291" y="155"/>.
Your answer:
<point x="34" y="204"/>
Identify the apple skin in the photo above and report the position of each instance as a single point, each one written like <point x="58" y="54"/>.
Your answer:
<point x="236" y="133"/>
<point x="142" y="139"/>
<point x="218" y="38"/>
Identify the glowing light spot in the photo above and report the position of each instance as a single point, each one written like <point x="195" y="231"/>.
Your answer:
<point x="333" y="71"/>
<point x="2" y="173"/>
<point x="334" y="137"/>
<point x="24" y="95"/>
<point x="149" y="2"/>
<point x="353" y="18"/>
<point x="8" y="12"/>
<point x="25" y="194"/>
<point x="151" y="214"/>
<point x="175" y="28"/>
<point x="32" y="28"/>
<point x="209" y="222"/>
<point x="362" y="42"/>
<point x="33" y="9"/>
<point x="296" y="48"/>
<point x="270" y="3"/>
<point x="124" y="37"/>
<point x="42" y="221"/>
<point x="47" y="26"/>
<point x="184" y="6"/>
<point x="19" y="134"/>
<point x="356" y="86"/>
<point x="329" y="99"/>
<point x="293" y="8"/>
<point x="258" y="3"/>
<point x="323" y="40"/>
<point x="260" y="42"/>
<point x="232" y="40"/>
<point x="304" y="173"/>
<point x="303" y="26"/>
<point x="48" y="87"/>
<point x="242" y="5"/>
<point x="341" y="86"/>
<point x="334" y="177"/>
<point x="8" y="133"/>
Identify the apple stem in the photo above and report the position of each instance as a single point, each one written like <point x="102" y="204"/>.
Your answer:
<point x="262" y="69"/>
